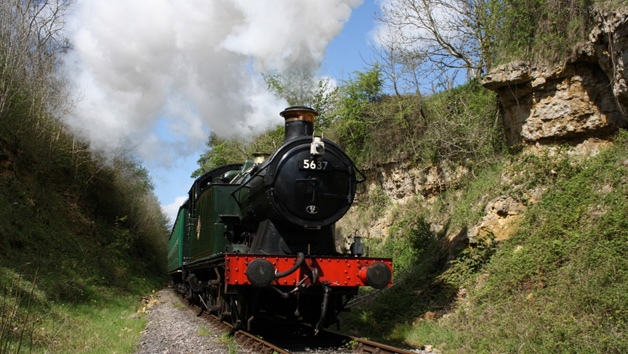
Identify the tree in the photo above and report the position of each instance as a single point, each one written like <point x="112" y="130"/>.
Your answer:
<point x="389" y="54"/>
<point x="403" y="67"/>
<point x="300" y="88"/>
<point x="445" y="34"/>
<point x="31" y="40"/>
<point x="357" y="95"/>
<point x="438" y="38"/>
<point x="221" y="152"/>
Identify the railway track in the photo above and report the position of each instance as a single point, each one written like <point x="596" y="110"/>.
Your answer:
<point x="339" y="344"/>
<point x="281" y="338"/>
<point x="245" y="339"/>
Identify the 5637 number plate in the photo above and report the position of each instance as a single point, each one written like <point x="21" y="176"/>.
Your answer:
<point x="314" y="165"/>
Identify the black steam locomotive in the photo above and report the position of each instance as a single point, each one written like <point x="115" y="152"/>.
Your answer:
<point x="256" y="239"/>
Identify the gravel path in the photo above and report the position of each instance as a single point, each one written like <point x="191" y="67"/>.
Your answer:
<point x="174" y="328"/>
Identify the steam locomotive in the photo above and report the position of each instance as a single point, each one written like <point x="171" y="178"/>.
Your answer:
<point x="256" y="240"/>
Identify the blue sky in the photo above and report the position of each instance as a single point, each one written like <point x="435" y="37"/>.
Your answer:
<point x="348" y="52"/>
<point x="351" y="50"/>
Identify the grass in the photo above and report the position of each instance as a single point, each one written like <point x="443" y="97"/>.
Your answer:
<point x="110" y="324"/>
<point x="463" y="205"/>
<point x="203" y="331"/>
<point x="107" y="323"/>
<point x="61" y="289"/>
<point x="229" y="340"/>
<point x="561" y="282"/>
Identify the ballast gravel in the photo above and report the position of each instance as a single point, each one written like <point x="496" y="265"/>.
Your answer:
<point x="174" y="328"/>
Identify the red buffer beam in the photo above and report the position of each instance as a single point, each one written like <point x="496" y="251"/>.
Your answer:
<point x="315" y="270"/>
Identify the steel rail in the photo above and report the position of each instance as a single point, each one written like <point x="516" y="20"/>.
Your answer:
<point x="246" y="339"/>
<point x="368" y="346"/>
<point x="258" y="344"/>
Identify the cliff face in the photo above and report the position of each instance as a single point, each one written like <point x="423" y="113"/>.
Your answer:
<point x="581" y="102"/>
<point x="400" y="181"/>
<point x="586" y="97"/>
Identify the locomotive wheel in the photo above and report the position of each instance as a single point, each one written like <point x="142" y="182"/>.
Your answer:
<point x="238" y="309"/>
<point x="235" y="307"/>
<point x="209" y="300"/>
<point x="212" y="301"/>
<point x="221" y="304"/>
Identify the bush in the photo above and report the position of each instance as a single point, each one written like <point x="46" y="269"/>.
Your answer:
<point x="461" y="125"/>
<point x="560" y="284"/>
<point x="544" y="30"/>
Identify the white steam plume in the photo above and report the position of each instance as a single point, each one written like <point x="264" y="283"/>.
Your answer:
<point x="183" y="67"/>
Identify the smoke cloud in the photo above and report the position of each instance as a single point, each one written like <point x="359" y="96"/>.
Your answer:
<point x="157" y="75"/>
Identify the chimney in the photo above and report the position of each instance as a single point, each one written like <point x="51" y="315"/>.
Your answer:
<point x="299" y="122"/>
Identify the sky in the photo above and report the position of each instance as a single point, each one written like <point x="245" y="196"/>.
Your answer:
<point x="156" y="76"/>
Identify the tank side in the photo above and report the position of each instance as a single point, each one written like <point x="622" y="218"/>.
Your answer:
<point x="224" y="205"/>
<point x="210" y="236"/>
<point x="175" y="247"/>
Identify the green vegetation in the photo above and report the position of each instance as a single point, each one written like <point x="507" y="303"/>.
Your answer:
<point x="545" y="30"/>
<point x="220" y="152"/>
<point x="558" y="285"/>
<point x="429" y="270"/>
<point x="81" y="242"/>
<point x="202" y="331"/>
<point x="44" y="314"/>
<point x="355" y="123"/>
<point x="82" y="236"/>
<point x="228" y="339"/>
<point x="457" y="125"/>
<point x="300" y="88"/>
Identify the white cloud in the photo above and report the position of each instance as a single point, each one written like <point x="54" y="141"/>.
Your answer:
<point x="195" y="64"/>
<point x="172" y="209"/>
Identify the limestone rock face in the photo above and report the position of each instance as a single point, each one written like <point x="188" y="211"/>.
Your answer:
<point x="586" y="97"/>
<point x="501" y="219"/>
<point x="400" y="181"/>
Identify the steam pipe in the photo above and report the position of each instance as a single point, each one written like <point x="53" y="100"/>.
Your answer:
<point x="294" y="267"/>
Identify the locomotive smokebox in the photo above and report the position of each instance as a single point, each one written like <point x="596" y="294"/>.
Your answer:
<point x="299" y="122"/>
<point x="299" y="192"/>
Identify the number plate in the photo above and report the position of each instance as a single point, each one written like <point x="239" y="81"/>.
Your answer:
<point x="314" y="165"/>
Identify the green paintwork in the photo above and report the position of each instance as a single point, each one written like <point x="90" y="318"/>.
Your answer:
<point x="175" y="249"/>
<point x="208" y="236"/>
